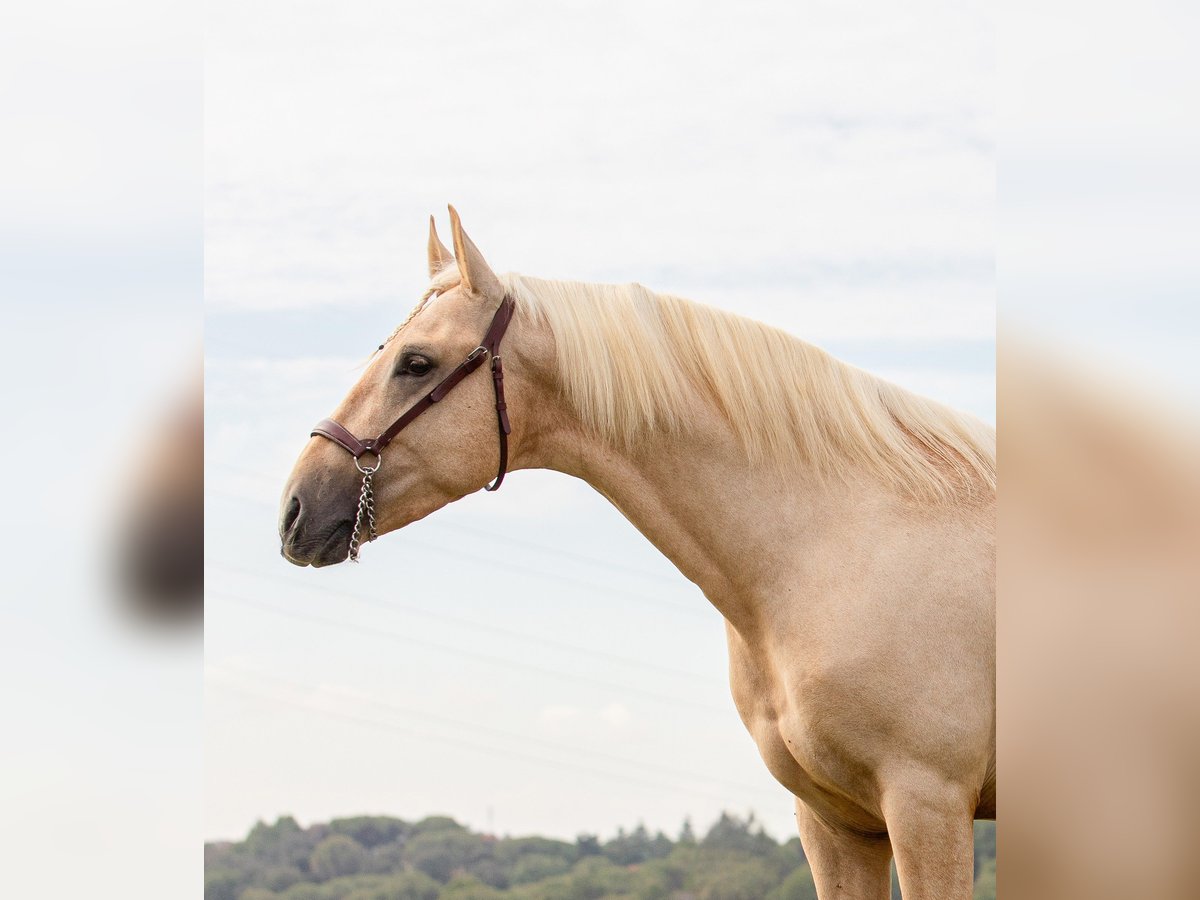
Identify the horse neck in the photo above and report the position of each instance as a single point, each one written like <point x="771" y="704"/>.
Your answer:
<point x="724" y="522"/>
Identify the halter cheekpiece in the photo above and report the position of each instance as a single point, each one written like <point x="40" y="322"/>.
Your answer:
<point x="357" y="448"/>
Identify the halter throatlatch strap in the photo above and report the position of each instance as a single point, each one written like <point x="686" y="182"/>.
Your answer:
<point x="501" y="421"/>
<point x="489" y="347"/>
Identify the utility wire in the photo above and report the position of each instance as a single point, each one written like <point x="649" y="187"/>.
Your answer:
<point x="475" y="727"/>
<point x="396" y="606"/>
<point x="491" y="562"/>
<point x="475" y="747"/>
<point x="457" y="651"/>
<point x="607" y="564"/>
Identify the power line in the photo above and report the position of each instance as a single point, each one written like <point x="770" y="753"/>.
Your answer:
<point x="475" y="727"/>
<point x="536" y="546"/>
<point x="457" y="651"/>
<point x="556" y="551"/>
<point x="394" y="606"/>
<point x="491" y="562"/>
<point x="475" y="747"/>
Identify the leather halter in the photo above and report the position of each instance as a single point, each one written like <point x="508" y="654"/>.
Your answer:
<point x="489" y="346"/>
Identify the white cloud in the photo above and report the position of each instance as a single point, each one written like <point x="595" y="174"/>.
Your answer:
<point x="733" y="141"/>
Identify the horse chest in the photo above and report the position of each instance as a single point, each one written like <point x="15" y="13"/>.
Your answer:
<point x="810" y="753"/>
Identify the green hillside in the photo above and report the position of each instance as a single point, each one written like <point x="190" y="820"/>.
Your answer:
<point x="382" y="858"/>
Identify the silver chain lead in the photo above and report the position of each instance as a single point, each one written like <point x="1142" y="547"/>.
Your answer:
<point x="366" y="511"/>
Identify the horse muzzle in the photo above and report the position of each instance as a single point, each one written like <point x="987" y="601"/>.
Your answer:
<point x="310" y="537"/>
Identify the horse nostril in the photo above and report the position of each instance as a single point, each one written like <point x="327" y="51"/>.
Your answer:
<point x="291" y="514"/>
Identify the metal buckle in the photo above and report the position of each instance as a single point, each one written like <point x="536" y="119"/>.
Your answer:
<point x="378" y="454"/>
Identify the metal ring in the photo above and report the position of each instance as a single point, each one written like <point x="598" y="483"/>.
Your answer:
<point x="367" y="471"/>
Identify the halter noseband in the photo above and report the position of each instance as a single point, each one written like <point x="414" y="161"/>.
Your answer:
<point x="340" y="435"/>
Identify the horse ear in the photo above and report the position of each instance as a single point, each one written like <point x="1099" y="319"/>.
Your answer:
<point x="439" y="255"/>
<point x="477" y="275"/>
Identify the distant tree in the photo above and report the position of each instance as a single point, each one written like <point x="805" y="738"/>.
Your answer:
<point x="659" y="879"/>
<point x="985" y="882"/>
<point x="385" y="858"/>
<point x="660" y="846"/>
<point x="488" y="870"/>
<point x="985" y="844"/>
<point x="415" y="886"/>
<point x="685" y="857"/>
<point x="751" y="879"/>
<point x="337" y="856"/>
<point x="263" y="839"/>
<point x="509" y="850"/>
<point x="435" y="823"/>
<point x="467" y="887"/>
<point x="537" y="867"/>
<point x="439" y="859"/>
<point x="222" y="854"/>
<point x="410" y="886"/>
<point x="560" y="887"/>
<point x="787" y="857"/>
<point x="686" y="834"/>
<point x="797" y="886"/>
<point x="223" y="884"/>
<point x="371" y="831"/>
<point x="407" y="886"/>
<point x="597" y="877"/>
<point x="629" y="849"/>
<point x="588" y="845"/>
<point x="263" y="834"/>
<point x="731" y="833"/>
<point x="280" y="878"/>
<point x="283" y="844"/>
<point x="441" y="853"/>
<point x="793" y="848"/>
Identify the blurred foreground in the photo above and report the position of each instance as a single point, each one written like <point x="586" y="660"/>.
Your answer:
<point x="1098" y="627"/>
<point x="159" y="554"/>
<point x="1099" y="454"/>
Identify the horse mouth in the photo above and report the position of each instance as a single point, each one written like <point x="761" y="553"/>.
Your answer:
<point x="335" y="548"/>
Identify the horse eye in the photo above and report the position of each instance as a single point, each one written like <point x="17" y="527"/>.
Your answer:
<point x="417" y="365"/>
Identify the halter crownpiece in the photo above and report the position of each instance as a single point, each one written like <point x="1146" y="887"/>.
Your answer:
<point x="357" y="448"/>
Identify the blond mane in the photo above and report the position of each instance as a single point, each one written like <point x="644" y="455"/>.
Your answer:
<point x="631" y="360"/>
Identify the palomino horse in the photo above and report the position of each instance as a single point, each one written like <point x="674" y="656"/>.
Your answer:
<point x="842" y="526"/>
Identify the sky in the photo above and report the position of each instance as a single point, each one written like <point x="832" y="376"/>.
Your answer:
<point x="826" y="168"/>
